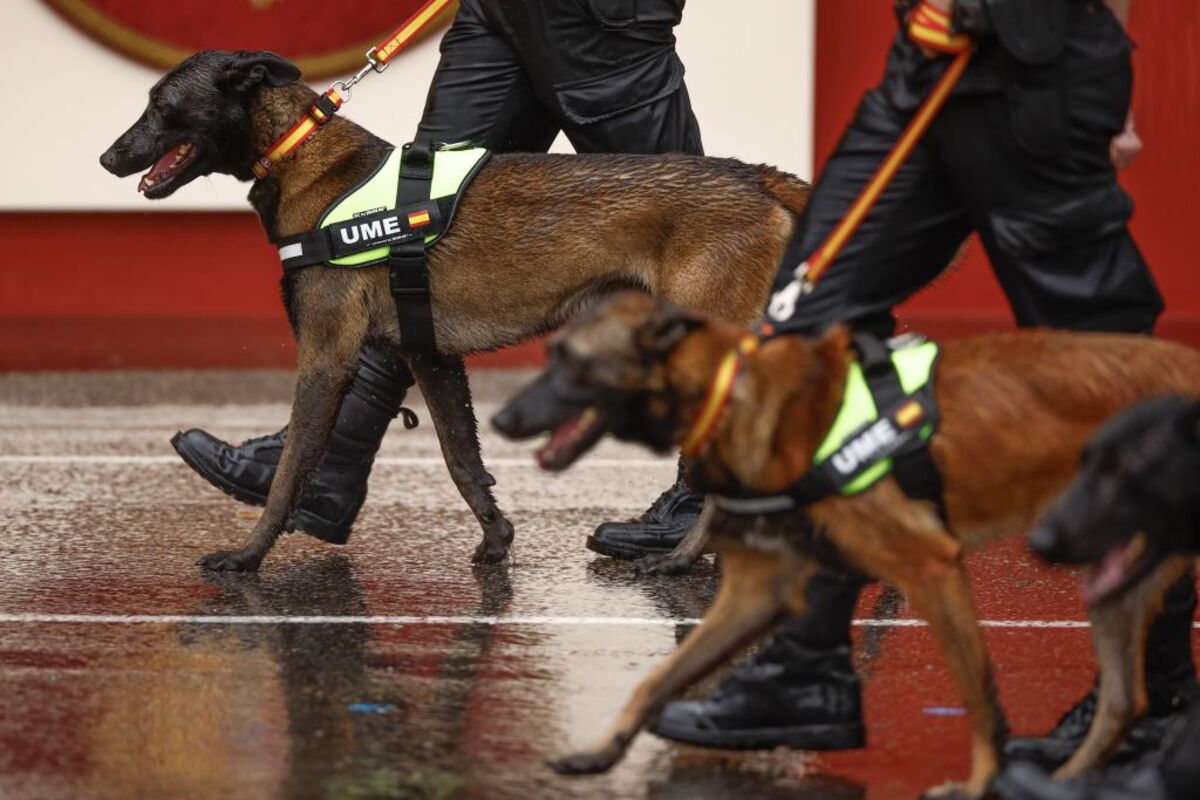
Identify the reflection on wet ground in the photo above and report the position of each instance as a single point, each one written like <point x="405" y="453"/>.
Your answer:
<point x="490" y="672"/>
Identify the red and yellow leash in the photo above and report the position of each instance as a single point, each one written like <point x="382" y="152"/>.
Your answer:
<point x="930" y="28"/>
<point x="338" y="94"/>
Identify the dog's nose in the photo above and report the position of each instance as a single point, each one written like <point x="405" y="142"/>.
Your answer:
<point x="109" y="160"/>
<point x="507" y="420"/>
<point x="1045" y="542"/>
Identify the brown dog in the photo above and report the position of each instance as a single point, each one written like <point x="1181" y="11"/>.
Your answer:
<point x="535" y="238"/>
<point x="1015" y="411"/>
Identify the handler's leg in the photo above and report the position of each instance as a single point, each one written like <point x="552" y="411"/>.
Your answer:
<point x="1048" y="208"/>
<point x="800" y="689"/>
<point x="666" y="125"/>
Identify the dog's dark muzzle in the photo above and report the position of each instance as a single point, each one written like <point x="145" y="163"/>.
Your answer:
<point x="534" y="410"/>
<point x="1047" y="542"/>
<point x="121" y="161"/>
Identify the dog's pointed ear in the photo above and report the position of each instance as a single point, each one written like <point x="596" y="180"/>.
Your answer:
<point x="667" y="326"/>
<point x="248" y="69"/>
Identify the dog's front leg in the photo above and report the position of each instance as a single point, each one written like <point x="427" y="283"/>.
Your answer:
<point x="755" y="586"/>
<point x="326" y="367"/>
<point x="942" y="595"/>
<point x="680" y="560"/>
<point x="1119" y="629"/>
<point x="443" y="383"/>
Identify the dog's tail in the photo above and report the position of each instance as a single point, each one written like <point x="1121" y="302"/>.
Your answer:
<point x="784" y="187"/>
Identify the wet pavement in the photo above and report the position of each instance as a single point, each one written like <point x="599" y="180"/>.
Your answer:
<point x="125" y="672"/>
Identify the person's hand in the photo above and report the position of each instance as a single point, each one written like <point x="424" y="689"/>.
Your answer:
<point x="942" y="7"/>
<point x="1125" y="146"/>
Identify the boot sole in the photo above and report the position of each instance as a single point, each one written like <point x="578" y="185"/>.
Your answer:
<point x="301" y="520"/>
<point x="850" y="736"/>
<point x="1053" y="756"/>
<point x="623" y="552"/>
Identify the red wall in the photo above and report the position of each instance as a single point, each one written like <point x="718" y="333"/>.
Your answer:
<point x="149" y="290"/>
<point x="201" y="290"/>
<point x="852" y="38"/>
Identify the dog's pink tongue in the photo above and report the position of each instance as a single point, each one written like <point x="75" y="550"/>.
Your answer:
<point x="161" y="168"/>
<point x="548" y="453"/>
<point x="1104" y="577"/>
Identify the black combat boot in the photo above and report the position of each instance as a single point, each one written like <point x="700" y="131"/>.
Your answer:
<point x="336" y="492"/>
<point x="658" y="530"/>
<point x="1173" y="774"/>
<point x="798" y="690"/>
<point x="1170" y="685"/>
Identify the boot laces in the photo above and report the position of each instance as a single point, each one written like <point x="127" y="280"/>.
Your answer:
<point x="665" y="502"/>
<point x="279" y="435"/>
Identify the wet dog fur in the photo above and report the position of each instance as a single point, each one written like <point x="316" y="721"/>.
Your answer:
<point x="1016" y="411"/>
<point x="536" y="238"/>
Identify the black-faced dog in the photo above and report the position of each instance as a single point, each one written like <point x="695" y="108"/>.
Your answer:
<point x="1133" y="507"/>
<point x="535" y="238"/>
<point x="647" y="372"/>
<point x="1135" y="502"/>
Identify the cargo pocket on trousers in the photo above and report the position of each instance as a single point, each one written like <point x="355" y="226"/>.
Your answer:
<point x="1043" y="231"/>
<point x="614" y="13"/>
<point x="1037" y="113"/>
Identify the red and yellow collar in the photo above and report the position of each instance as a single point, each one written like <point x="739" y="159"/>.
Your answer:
<point x="335" y="96"/>
<point x="717" y="397"/>
<point x="317" y="115"/>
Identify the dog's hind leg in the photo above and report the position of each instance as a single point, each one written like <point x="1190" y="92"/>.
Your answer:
<point x="327" y="356"/>
<point x="942" y="596"/>
<point x="1119" y="630"/>
<point x="443" y="383"/>
<point x="685" y="554"/>
<point x="755" y="587"/>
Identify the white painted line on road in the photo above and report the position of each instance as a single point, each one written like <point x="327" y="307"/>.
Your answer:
<point x="385" y="619"/>
<point x="389" y="461"/>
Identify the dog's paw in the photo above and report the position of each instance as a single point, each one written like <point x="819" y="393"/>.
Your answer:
<point x="490" y="552"/>
<point x="588" y="763"/>
<point x="666" y="564"/>
<point x="494" y="547"/>
<point x="231" y="561"/>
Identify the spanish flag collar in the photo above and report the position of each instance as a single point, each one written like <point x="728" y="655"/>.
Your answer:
<point x="318" y="114"/>
<point x="717" y="397"/>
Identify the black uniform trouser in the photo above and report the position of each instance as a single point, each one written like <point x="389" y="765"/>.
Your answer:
<point x="483" y="91"/>
<point x="1039" y="189"/>
<point x="1054" y="226"/>
<point x="493" y="90"/>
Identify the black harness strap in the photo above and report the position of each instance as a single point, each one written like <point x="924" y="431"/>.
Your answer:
<point x="391" y="226"/>
<point x="913" y="468"/>
<point x="409" y="271"/>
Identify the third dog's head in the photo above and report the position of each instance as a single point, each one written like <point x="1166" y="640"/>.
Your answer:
<point x="641" y="369"/>
<point x="198" y="121"/>
<point x="1134" y="501"/>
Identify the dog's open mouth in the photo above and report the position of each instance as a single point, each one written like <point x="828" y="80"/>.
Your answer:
<point x="167" y="169"/>
<point x="571" y="439"/>
<point x="1121" y="567"/>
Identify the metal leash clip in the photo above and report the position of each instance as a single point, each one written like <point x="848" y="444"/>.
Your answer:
<point x="783" y="303"/>
<point x="372" y="65"/>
